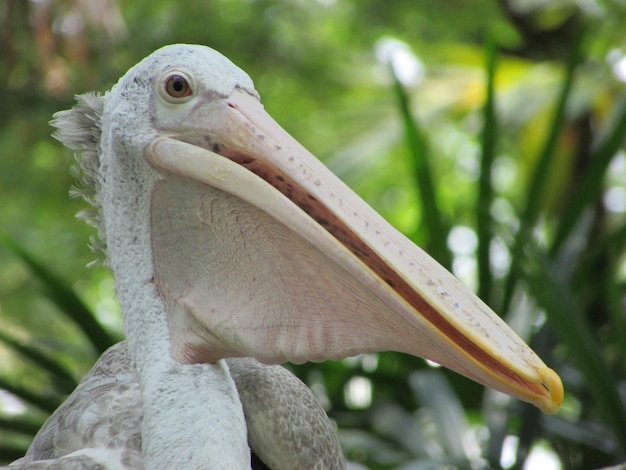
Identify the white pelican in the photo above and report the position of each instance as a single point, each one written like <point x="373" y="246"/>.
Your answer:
<point x="228" y="239"/>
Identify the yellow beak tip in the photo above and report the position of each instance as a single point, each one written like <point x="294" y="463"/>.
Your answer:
<point x="553" y="385"/>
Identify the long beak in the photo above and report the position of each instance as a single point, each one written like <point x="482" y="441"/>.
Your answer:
<point x="439" y="318"/>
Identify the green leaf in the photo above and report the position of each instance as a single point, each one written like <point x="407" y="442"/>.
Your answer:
<point x="608" y="252"/>
<point x="20" y="425"/>
<point x="61" y="376"/>
<point x="422" y="171"/>
<point x="568" y="322"/>
<point x="64" y="297"/>
<point x="443" y="406"/>
<point x="10" y="453"/>
<point x="46" y="402"/>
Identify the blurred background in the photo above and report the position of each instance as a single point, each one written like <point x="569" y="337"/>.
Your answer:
<point x="490" y="132"/>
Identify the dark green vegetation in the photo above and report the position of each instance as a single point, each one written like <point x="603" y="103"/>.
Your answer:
<point x="505" y="161"/>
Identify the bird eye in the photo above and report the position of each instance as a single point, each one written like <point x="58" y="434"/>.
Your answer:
<point x="177" y="86"/>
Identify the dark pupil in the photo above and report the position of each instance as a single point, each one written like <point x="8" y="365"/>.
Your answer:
<point x="178" y="84"/>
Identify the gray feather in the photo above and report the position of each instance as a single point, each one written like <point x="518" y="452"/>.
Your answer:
<point x="79" y="129"/>
<point x="287" y="427"/>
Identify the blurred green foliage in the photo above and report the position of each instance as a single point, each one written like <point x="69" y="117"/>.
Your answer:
<point x="491" y="132"/>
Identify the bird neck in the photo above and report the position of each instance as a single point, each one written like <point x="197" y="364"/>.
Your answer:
<point x="192" y="414"/>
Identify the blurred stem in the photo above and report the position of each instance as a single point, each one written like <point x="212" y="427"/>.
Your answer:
<point x="422" y="172"/>
<point x="530" y="416"/>
<point x="589" y="188"/>
<point x="614" y="294"/>
<point x="537" y="185"/>
<point x="484" y="228"/>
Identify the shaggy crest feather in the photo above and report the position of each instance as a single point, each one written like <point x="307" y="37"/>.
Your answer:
<point x="79" y="130"/>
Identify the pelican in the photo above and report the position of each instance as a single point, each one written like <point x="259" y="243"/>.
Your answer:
<point x="234" y="249"/>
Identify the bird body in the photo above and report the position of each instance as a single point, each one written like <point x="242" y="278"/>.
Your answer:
<point x="229" y="240"/>
<point x="100" y="422"/>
